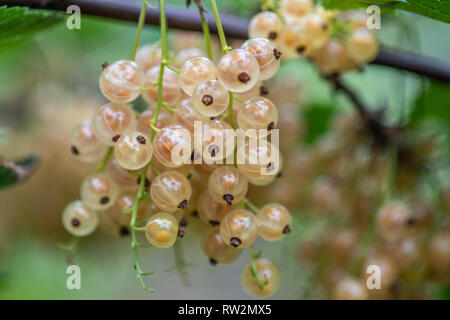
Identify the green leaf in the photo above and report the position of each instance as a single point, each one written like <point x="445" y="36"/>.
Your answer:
<point x="435" y="9"/>
<point x="12" y="172"/>
<point x="317" y="117"/>
<point x="432" y="103"/>
<point x="19" y="23"/>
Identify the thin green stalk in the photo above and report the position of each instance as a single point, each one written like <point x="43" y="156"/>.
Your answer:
<point x="254" y="270"/>
<point x="207" y="36"/>
<point x="223" y="40"/>
<point x="102" y="166"/>
<point x="250" y="205"/>
<point x="181" y="264"/>
<point x="230" y="111"/>
<point x="139" y="29"/>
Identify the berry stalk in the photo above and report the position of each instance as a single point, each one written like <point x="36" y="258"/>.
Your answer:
<point x="139" y="29"/>
<point x="223" y="40"/>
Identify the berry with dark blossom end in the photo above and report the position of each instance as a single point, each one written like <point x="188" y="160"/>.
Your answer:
<point x="227" y="185"/>
<point x="171" y="191"/>
<point x="132" y="151"/>
<point x="78" y="219"/>
<point x="240" y="227"/>
<point x="218" y="250"/>
<point x="275" y="221"/>
<point x="99" y="191"/>
<point x="210" y="98"/>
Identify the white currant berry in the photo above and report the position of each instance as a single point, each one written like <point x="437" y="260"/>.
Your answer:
<point x="99" y="191"/>
<point x="296" y="39"/>
<point x="238" y="70"/>
<point x="210" y="211"/>
<point x="112" y="120"/>
<point x="122" y="176"/>
<point x="259" y="89"/>
<point x="217" y="140"/>
<point x="210" y="98"/>
<point x="217" y="250"/>
<point x="266" y="54"/>
<point x="258" y="113"/>
<point x="162" y="230"/>
<point x="268" y="273"/>
<point x="239" y="228"/>
<point x="362" y="45"/>
<point x="186" y="114"/>
<point x="173" y="146"/>
<point x="133" y="150"/>
<point x="148" y="56"/>
<point x="79" y="219"/>
<point x="170" y="84"/>
<point x="165" y="118"/>
<point x="294" y="9"/>
<point x="275" y="221"/>
<point x="265" y="24"/>
<point x="84" y="143"/>
<point x="195" y="71"/>
<point x="186" y="54"/>
<point x="171" y="191"/>
<point x="121" y="81"/>
<point x="227" y="185"/>
<point x="256" y="160"/>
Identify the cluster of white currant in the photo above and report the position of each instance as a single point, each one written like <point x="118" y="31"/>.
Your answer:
<point x="336" y="42"/>
<point x="193" y="88"/>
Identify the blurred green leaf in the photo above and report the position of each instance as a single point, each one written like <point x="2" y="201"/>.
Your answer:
<point x="12" y="172"/>
<point x="432" y="103"/>
<point x="19" y="23"/>
<point x="438" y="10"/>
<point x="317" y="117"/>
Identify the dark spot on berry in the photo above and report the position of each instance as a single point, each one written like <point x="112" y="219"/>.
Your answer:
<point x="264" y="90"/>
<point x="286" y="229"/>
<point x="212" y="261"/>
<point x="183" y="223"/>
<point x="105" y="65"/>
<point x="411" y="221"/>
<point x="324" y="26"/>
<point x="273" y="35"/>
<point x="270" y="166"/>
<point x="212" y="118"/>
<point x="141" y="139"/>
<point x="195" y="213"/>
<point x="189" y="176"/>
<point x="271" y="126"/>
<point x="124" y="231"/>
<point x="194" y="155"/>
<point x="277" y="54"/>
<point x="228" y="198"/>
<point x="75" y="222"/>
<point x="104" y="200"/>
<point x="214" y="223"/>
<point x="213" y="150"/>
<point x="301" y="49"/>
<point x="207" y="99"/>
<point x="74" y="150"/>
<point x="183" y="204"/>
<point x="235" y="242"/>
<point x="181" y="232"/>
<point x="244" y="77"/>
<point x="279" y="174"/>
<point x="116" y="137"/>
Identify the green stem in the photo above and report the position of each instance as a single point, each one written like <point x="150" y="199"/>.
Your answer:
<point x="250" y="205"/>
<point x="155" y="170"/>
<point x="163" y="23"/>
<point x="139" y="29"/>
<point x="255" y="255"/>
<point x="230" y="111"/>
<point x="207" y="36"/>
<point x="181" y="264"/>
<point x="223" y="40"/>
<point x="102" y="166"/>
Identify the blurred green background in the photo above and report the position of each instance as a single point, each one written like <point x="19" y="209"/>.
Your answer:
<point x="49" y="83"/>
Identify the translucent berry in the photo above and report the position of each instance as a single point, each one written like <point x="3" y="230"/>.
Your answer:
<point x="350" y="289"/>
<point x="210" y="98"/>
<point x="125" y="203"/>
<point x="210" y="211"/>
<point x="165" y="118"/>
<point x="99" y="191"/>
<point x="217" y="140"/>
<point x="186" y="54"/>
<point x="122" y="176"/>
<point x="186" y="114"/>
<point x="362" y="45"/>
<point x="133" y="150"/>
<point x="265" y="24"/>
<point x="148" y="56"/>
<point x="173" y="146"/>
<point x="238" y="70"/>
<point x="217" y="250"/>
<point x="275" y="221"/>
<point x="239" y="228"/>
<point x="195" y="71"/>
<point x="171" y="86"/>
<point x="258" y="113"/>
<point x="78" y="219"/>
<point x="294" y="9"/>
<point x="111" y="121"/>
<point x="319" y="29"/>
<point x="121" y="81"/>
<point x="256" y="160"/>
<point x="227" y="185"/>
<point x="262" y="180"/>
<point x="171" y="191"/>
<point x="267" y="272"/>
<point x="162" y="230"/>
<point x="266" y="54"/>
<point x="296" y="40"/>
<point x="333" y="58"/>
<point x="84" y="144"/>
